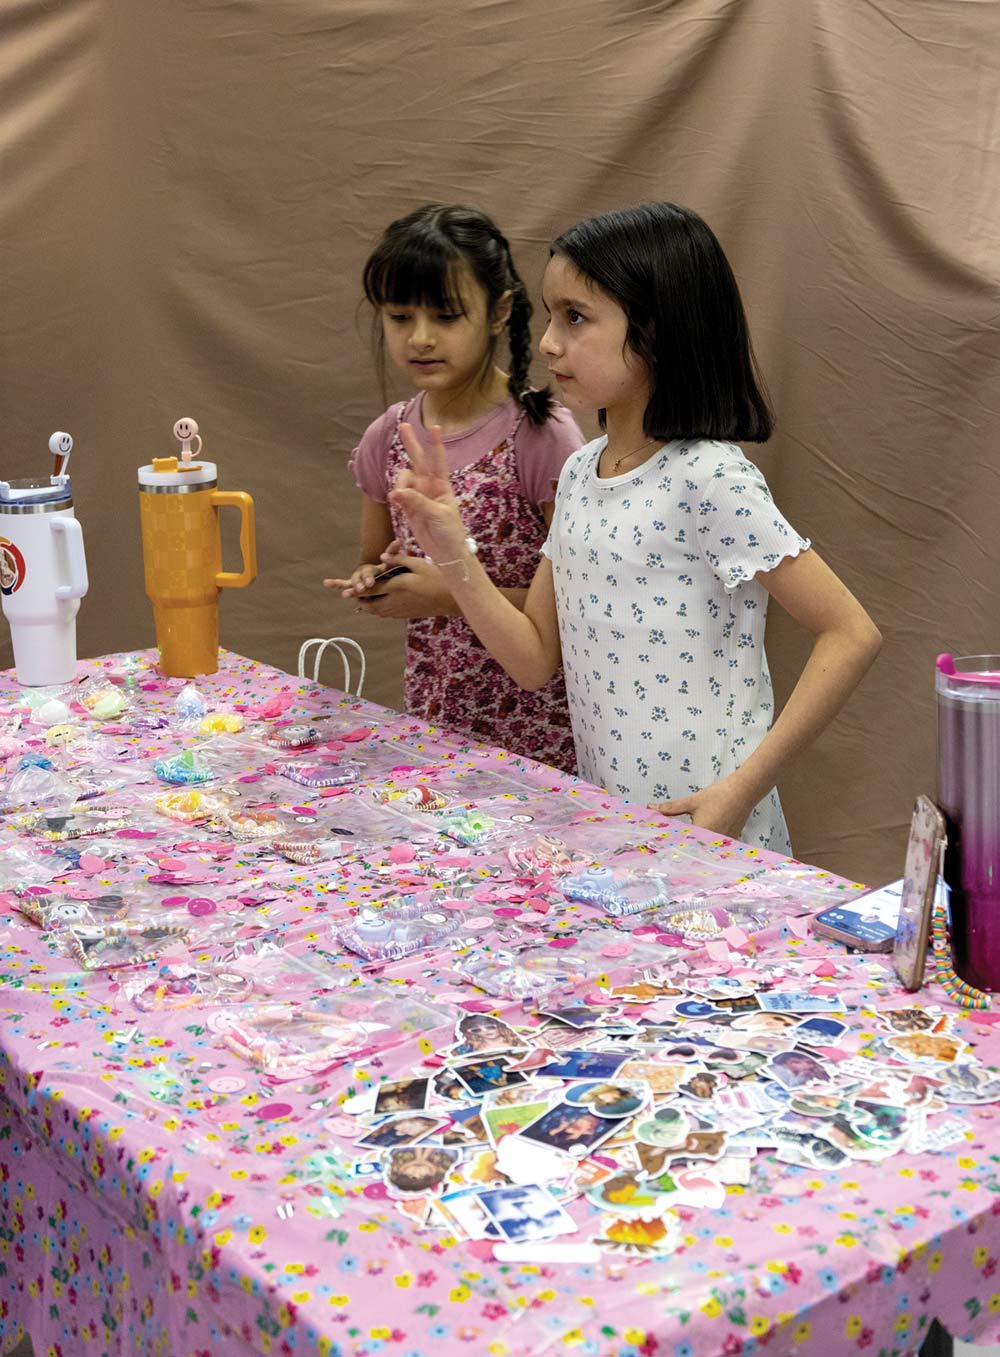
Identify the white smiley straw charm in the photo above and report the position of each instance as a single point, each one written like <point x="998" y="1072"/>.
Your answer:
<point x="187" y="431"/>
<point x="60" y="445"/>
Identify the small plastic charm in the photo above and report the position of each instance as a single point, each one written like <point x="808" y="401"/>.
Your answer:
<point x="322" y="774"/>
<point x="183" y="769"/>
<point x="294" y="737"/>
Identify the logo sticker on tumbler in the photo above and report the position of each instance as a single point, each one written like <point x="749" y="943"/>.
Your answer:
<point x="12" y="568"/>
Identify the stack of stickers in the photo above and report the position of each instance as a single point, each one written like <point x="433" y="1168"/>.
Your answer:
<point x="658" y="1096"/>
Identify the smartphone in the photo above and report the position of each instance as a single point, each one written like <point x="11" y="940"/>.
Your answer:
<point x="388" y="574"/>
<point x="866" y="922"/>
<point x="895" y="918"/>
<point x="924" y="855"/>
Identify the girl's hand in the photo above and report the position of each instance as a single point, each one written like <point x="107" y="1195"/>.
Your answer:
<point x="423" y="491"/>
<point x="360" y="581"/>
<point x="420" y="592"/>
<point x="720" y="807"/>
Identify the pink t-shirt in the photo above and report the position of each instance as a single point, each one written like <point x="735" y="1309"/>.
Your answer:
<point x="540" y="450"/>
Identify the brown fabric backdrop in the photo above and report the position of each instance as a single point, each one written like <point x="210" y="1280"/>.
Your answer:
<point x="189" y="190"/>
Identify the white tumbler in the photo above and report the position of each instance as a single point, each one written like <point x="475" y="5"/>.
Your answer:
<point x="43" y="576"/>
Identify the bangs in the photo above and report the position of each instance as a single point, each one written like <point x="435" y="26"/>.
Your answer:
<point x="419" y="272"/>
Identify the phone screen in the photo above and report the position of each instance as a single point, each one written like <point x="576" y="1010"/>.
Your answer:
<point x="868" y="923"/>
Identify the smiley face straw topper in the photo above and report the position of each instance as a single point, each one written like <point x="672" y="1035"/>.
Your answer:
<point x="60" y="445"/>
<point x="187" y="431"/>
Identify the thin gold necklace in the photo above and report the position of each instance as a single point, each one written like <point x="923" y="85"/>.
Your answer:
<point x="626" y="455"/>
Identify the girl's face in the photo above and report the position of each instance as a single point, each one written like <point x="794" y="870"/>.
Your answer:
<point x="585" y="346"/>
<point x="443" y="350"/>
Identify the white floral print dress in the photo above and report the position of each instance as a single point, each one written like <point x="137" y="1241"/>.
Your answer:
<point x="662" y="620"/>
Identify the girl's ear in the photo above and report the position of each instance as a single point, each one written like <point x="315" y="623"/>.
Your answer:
<point x="501" y="311"/>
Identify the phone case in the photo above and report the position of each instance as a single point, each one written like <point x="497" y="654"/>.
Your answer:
<point x="923" y="862"/>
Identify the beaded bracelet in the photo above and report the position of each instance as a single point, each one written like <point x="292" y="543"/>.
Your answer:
<point x="956" y="989"/>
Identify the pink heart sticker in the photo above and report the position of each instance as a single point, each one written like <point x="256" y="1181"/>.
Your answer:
<point x="91" y="863"/>
<point x="402" y="852"/>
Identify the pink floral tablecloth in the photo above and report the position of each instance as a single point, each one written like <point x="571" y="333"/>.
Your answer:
<point x="158" y="1196"/>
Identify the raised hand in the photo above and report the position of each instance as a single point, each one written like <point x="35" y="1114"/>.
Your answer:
<point x="423" y="492"/>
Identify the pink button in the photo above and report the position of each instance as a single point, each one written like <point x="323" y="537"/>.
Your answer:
<point x="270" y="1111"/>
<point x="376" y="1192"/>
<point x="201" y="905"/>
<point x="227" y="1083"/>
<point x="172" y="900"/>
<point x="616" y="949"/>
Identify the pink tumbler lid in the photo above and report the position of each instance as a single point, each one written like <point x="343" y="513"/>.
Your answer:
<point x="989" y="678"/>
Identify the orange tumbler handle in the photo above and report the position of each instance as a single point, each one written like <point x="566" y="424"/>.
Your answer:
<point x="239" y="499"/>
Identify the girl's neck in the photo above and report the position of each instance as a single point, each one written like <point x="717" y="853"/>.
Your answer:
<point x="456" y="410"/>
<point x="628" y="445"/>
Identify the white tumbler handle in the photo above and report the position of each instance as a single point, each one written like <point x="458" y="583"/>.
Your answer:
<point x="76" y="560"/>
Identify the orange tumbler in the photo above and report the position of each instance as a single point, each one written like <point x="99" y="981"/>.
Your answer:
<point x="182" y="554"/>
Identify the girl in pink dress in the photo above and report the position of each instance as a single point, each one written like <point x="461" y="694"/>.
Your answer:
<point x="444" y="288"/>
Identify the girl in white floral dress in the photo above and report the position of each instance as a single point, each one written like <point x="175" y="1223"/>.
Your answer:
<point x="665" y="545"/>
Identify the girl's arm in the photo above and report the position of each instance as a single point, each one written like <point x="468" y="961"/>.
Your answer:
<point x="525" y="643"/>
<point x="845" y="645"/>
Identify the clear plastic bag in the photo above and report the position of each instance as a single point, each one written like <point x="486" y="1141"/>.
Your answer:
<point x="123" y="944"/>
<point x="557" y="964"/>
<point x="392" y="931"/>
<point x="288" y="1040"/>
<point x="617" y="890"/>
<point x="53" y="910"/>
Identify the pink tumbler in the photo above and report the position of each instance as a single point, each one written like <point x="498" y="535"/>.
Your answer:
<point x="968" y="733"/>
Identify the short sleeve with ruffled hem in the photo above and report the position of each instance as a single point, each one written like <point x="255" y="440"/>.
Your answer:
<point x="740" y="531"/>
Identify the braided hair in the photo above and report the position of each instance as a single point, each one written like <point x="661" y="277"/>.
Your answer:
<point x="415" y="263"/>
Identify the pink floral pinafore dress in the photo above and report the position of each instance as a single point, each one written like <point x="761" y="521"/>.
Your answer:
<point x="450" y="678"/>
